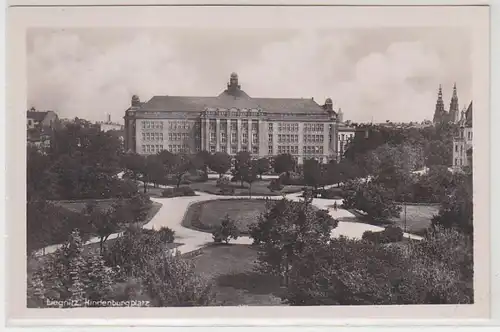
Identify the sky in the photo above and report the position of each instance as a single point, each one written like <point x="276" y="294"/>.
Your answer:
<point x="371" y="74"/>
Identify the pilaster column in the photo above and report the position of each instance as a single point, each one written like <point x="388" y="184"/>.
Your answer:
<point x="301" y="142"/>
<point x="217" y="135"/>
<point x="263" y="144"/>
<point x="326" y="143"/>
<point x="239" y="135"/>
<point x="207" y="134"/>
<point x="228" y="136"/>
<point x="250" y="135"/>
<point x="202" y="134"/>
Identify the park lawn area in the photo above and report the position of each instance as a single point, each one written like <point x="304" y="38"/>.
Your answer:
<point x="207" y="215"/>
<point x="232" y="270"/>
<point x="418" y="217"/>
<point x="259" y="188"/>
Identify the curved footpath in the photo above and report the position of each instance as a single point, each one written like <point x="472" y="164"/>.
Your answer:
<point x="172" y="212"/>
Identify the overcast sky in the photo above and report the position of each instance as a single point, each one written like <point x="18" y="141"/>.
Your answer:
<point x="372" y="74"/>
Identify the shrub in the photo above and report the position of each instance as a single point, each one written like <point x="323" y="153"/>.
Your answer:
<point x="291" y="179"/>
<point x="166" y="235"/>
<point x="330" y="193"/>
<point x="389" y="234"/>
<point x="275" y="185"/>
<point x="178" y="192"/>
<point x="226" y="231"/>
<point x="198" y="176"/>
<point x="224" y="184"/>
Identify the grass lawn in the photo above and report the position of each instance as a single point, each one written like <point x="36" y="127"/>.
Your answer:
<point x="259" y="188"/>
<point x="418" y="217"/>
<point x="205" y="216"/>
<point x="231" y="268"/>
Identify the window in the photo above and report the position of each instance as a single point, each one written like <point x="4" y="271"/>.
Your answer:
<point x="270" y="127"/>
<point x="244" y="148"/>
<point x="270" y="138"/>
<point x="255" y="138"/>
<point x="212" y="148"/>
<point x="223" y="148"/>
<point x="245" y="138"/>
<point x="469" y="135"/>
<point x="270" y="150"/>
<point x="143" y="148"/>
<point x="255" y="126"/>
<point x="143" y="136"/>
<point x="233" y="149"/>
<point x="223" y="137"/>
<point x="456" y="161"/>
<point x="212" y="137"/>
<point x="234" y="137"/>
<point x="255" y="149"/>
<point x="456" y="147"/>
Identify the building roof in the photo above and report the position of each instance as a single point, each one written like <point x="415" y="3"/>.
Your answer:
<point x="37" y="116"/>
<point x="232" y="97"/>
<point x="468" y="116"/>
<point x="224" y="100"/>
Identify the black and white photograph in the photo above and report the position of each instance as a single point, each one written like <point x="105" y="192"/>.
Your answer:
<point x="243" y="166"/>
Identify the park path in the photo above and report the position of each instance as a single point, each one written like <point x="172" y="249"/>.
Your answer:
<point x="172" y="211"/>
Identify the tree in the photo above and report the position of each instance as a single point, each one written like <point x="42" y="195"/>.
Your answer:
<point x="104" y="222"/>
<point x="457" y="208"/>
<point x="69" y="276"/>
<point x="242" y="166"/>
<point x="284" y="163"/>
<point x="313" y="173"/>
<point x="373" y="198"/>
<point x="263" y="166"/>
<point x="219" y="162"/>
<point x="170" y="281"/>
<point x="176" y="164"/>
<point x="226" y="231"/>
<point x="438" y="152"/>
<point x="166" y="235"/>
<point x="154" y="171"/>
<point x="285" y="230"/>
<point x="201" y="161"/>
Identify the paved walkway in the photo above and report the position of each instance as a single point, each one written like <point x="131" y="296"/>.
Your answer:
<point x="172" y="213"/>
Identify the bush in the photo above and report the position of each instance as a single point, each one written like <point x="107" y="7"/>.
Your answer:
<point x="330" y="193"/>
<point x="388" y="235"/>
<point x="225" y="231"/>
<point x="275" y="185"/>
<point x="224" y="184"/>
<point x="178" y="192"/>
<point x="166" y="235"/>
<point x="291" y="179"/>
<point x="198" y="176"/>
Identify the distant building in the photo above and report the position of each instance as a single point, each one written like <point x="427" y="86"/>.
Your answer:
<point x="109" y="125"/>
<point x="232" y="122"/>
<point x="39" y="128"/>
<point x="440" y="113"/>
<point x="36" y="119"/>
<point x="462" y="143"/>
<point x="345" y="134"/>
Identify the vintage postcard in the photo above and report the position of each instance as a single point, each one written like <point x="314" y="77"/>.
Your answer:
<point x="241" y="164"/>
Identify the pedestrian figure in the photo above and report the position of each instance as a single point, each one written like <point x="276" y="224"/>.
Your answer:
<point x="335" y="206"/>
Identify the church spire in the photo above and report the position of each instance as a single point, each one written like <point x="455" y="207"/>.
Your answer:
<point x="454" y="111"/>
<point x="439" y="112"/>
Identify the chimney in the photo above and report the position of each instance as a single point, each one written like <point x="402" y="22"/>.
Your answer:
<point x="109" y="118"/>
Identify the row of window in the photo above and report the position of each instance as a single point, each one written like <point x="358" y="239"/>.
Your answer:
<point x="152" y="136"/>
<point x="180" y="124"/>
<point x="287" y="126"/>
<point x="344" y="137"/>
<point x="212" y="125"/>
<point x="152" y="124"/>
<point x="234" y="149"/>
<point x="311" y="150"/>
<point x="314" y="127"/>
<point x="150" y="148"/>
<point x="234" y="138"/>
<point x="178" y="136"/>
<point x="288" y="138"/>
<point x="290" y="149"/>
<point x="313" y="138"/>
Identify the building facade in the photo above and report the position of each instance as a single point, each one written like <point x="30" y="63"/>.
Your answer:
<point x="462" y="143"/>
<point x="39" y="128"/>
<point x="233" y="122"/>
<point x="109" y="125"/>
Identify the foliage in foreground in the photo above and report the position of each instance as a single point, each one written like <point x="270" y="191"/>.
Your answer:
<point x="437" y="270"/>
<point x="148" y="272"/>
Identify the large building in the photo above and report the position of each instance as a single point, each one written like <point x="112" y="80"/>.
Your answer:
<point x="462" y="143"/>
<point x="39" y="128"/>
<point x="233" y="122"/>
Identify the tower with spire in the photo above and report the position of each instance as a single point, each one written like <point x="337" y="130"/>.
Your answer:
<point x="440" y="113"/>
<point x="454" y="114"/>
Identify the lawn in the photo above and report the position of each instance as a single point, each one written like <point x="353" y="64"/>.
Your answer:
<point x="232" y="269"/>
<point x="259" y="188"/>
<point x="205" y="216"/>
<point x="418" y="217"/>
